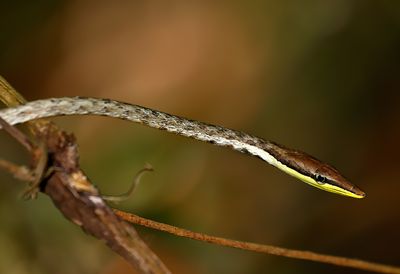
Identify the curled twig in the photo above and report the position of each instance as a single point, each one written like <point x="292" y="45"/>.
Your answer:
<point x="129" y="193"/>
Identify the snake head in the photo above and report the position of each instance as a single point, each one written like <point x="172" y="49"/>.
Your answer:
<point x="312" y="171"/>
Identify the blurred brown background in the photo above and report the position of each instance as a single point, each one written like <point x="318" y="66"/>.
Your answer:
<point x="321" y="76"/>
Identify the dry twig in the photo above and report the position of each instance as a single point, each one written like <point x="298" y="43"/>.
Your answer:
<point x="73" y="194"/>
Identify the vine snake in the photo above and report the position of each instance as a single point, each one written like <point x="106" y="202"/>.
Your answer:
<point x="293" y="162"/>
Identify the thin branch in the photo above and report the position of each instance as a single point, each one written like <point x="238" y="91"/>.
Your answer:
<point x="268" y="249"/>
<point x="22" y="173"/>
<point x="8" y="95"/>
<point x="17" y="135"/>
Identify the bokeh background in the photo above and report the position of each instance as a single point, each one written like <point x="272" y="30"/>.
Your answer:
<point x="320" y="76"/>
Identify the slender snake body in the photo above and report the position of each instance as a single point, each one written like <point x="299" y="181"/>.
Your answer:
<point x="293" y="162"/>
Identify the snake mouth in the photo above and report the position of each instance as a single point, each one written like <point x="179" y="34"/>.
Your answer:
<point x="358" y="192"/>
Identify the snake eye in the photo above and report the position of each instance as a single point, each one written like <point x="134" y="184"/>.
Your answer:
<point x="320" y="179"/>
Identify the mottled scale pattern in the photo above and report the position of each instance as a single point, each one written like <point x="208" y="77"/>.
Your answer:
<point x="156" y="119"/>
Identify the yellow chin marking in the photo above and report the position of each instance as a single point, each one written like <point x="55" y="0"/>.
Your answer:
<point x="312" y="182"/>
